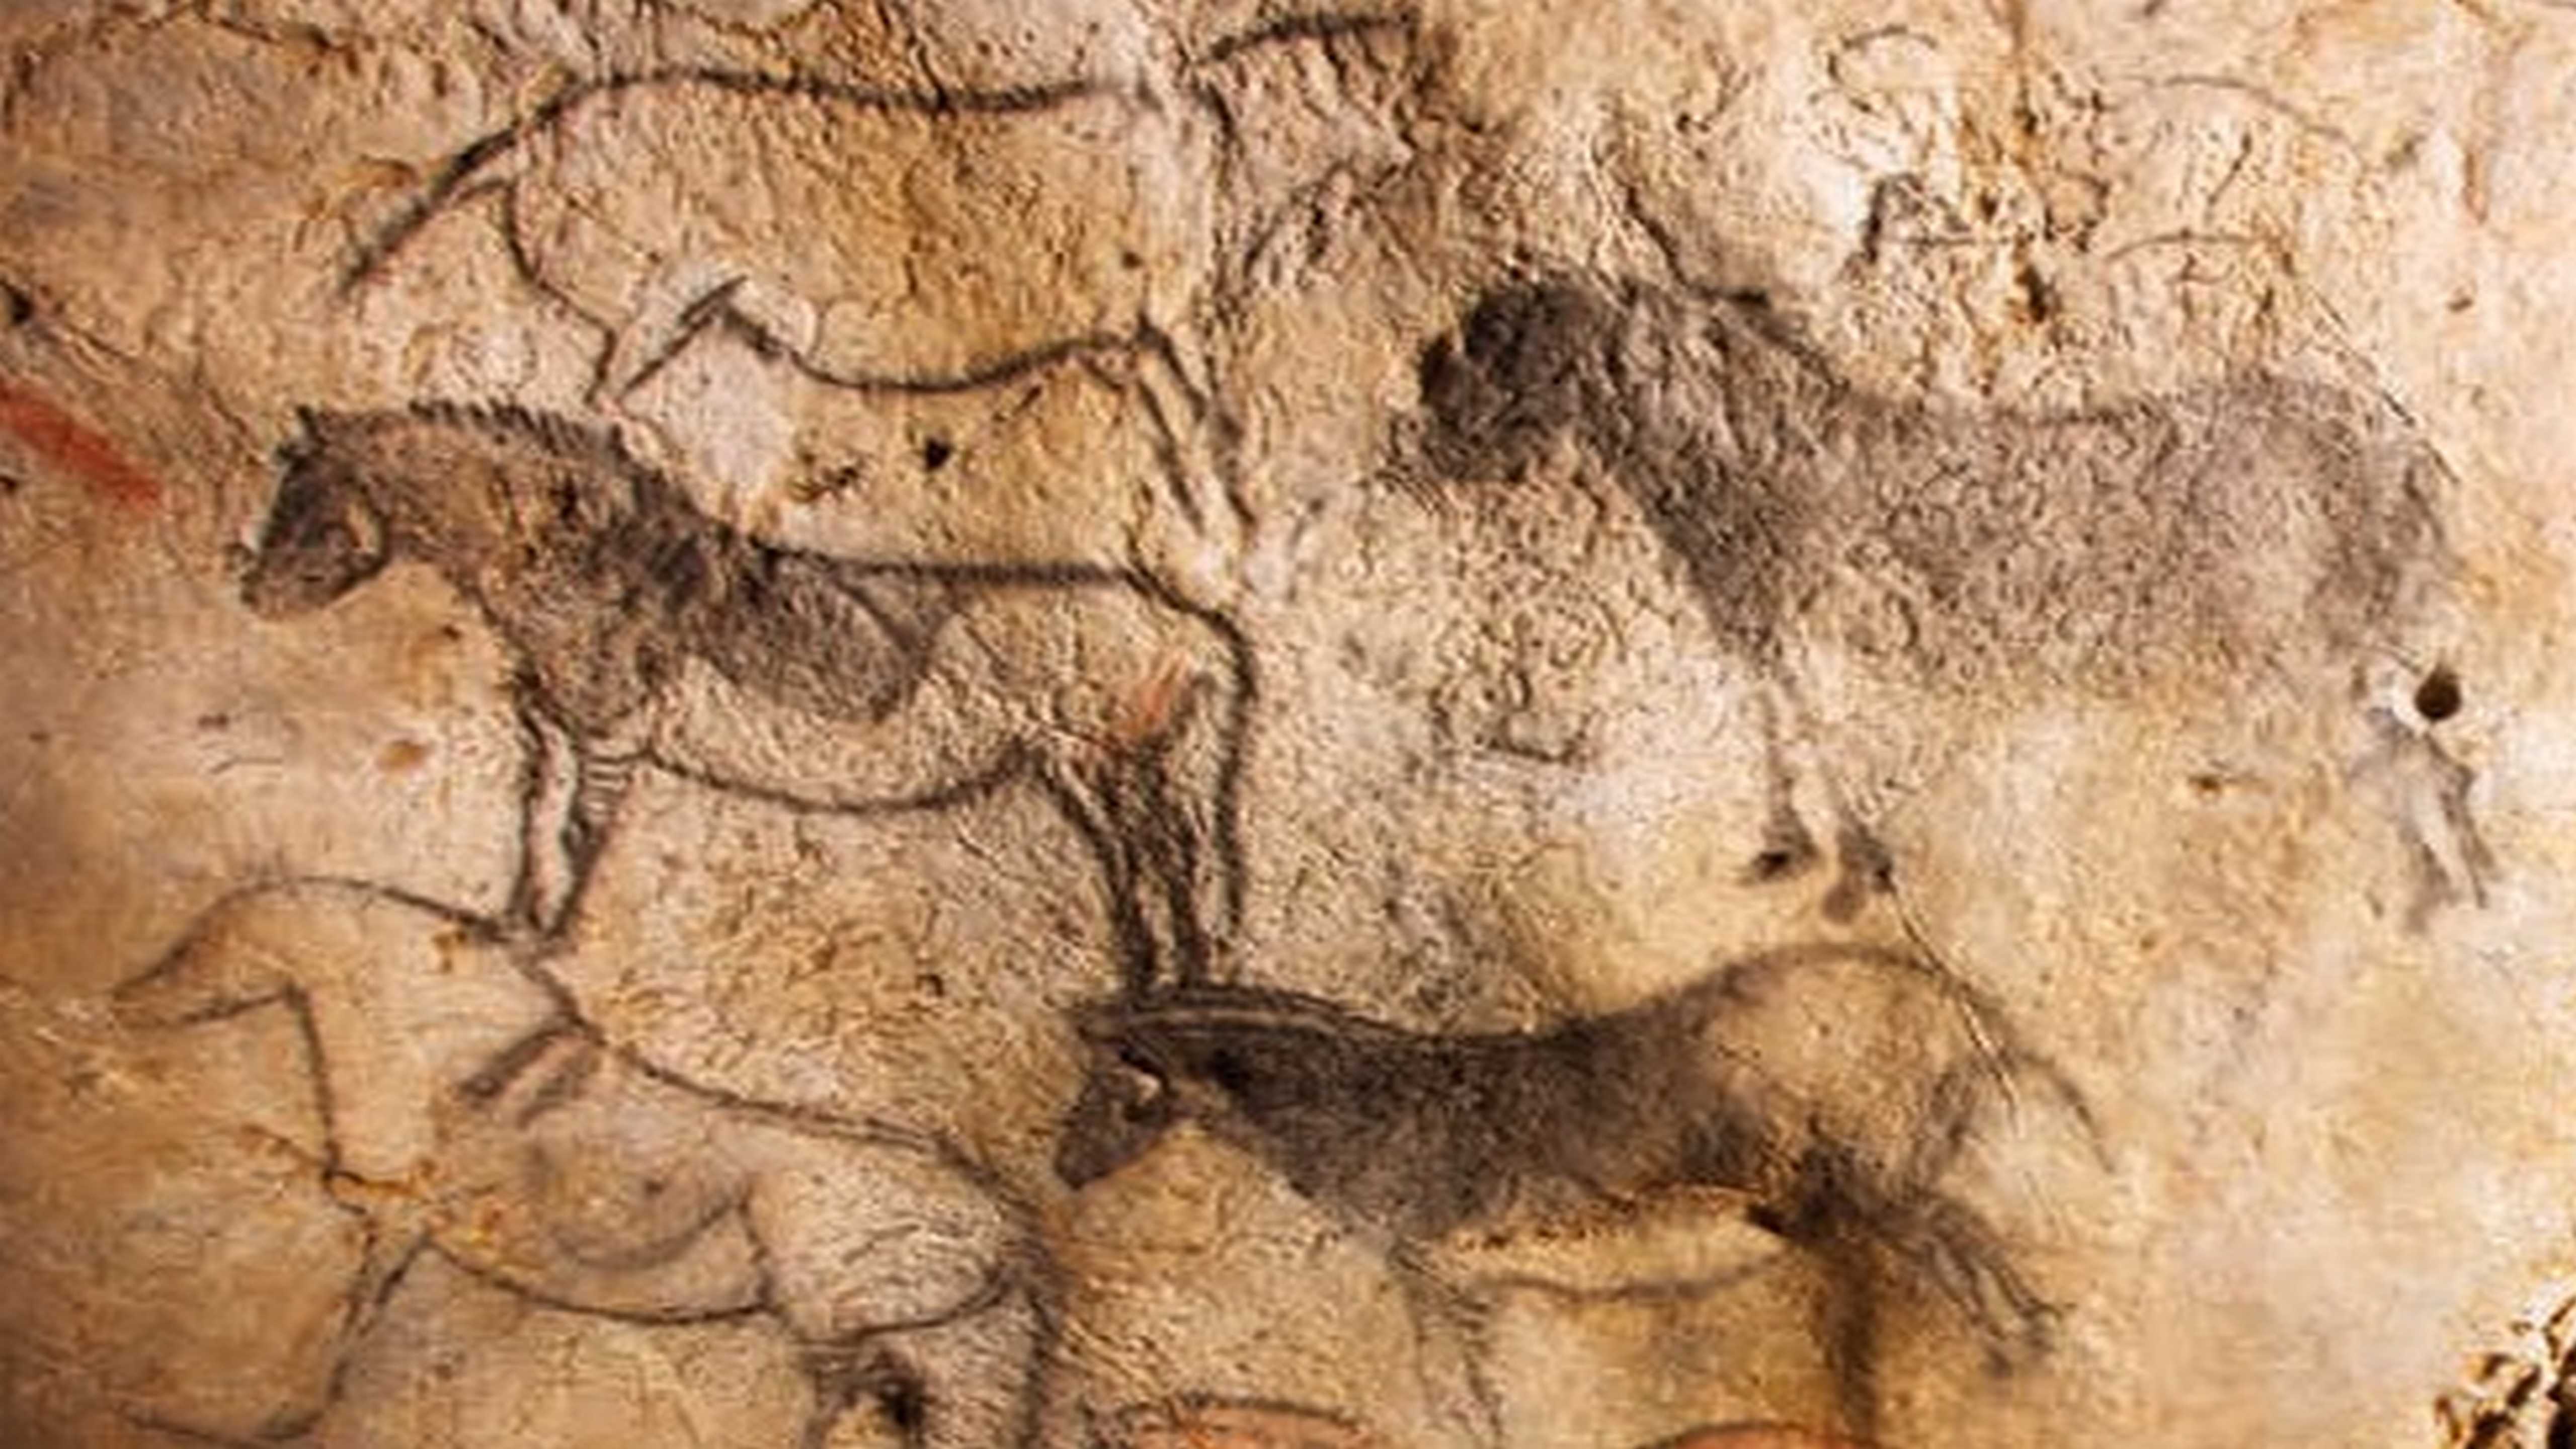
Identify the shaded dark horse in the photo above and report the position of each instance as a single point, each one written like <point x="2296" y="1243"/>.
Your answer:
<point x="468" y="1109"/>
<point x="1827" y="1090"/>
<point x="2248" y="530"/>
<point x="646" y="631"/>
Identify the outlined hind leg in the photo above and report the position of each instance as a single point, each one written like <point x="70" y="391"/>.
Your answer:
<point x="1122" y="874"/>
<point x="963" y="1382"/>
<point x="2424" y="792"/>
<point x="1452" y="1333"/>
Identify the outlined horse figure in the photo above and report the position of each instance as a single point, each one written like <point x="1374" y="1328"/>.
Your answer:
<point x="468" y="1109"/>
<point x="647" y="632"/>
<point x="933" y="238"/>
<point x="1820" y="1095"/>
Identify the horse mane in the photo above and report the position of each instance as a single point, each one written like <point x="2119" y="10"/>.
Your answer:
<point x="1235" y="1007"/>
<point x="567" y="439"/>
<point x="527" y="449"/>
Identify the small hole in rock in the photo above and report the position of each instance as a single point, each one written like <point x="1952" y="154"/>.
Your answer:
<point x="935" y="453"/>
<point x="2438" y="697"/>
<point x="1777" y="863"/>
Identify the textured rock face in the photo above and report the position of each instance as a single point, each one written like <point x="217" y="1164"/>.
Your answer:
<point x="787" y="722"/>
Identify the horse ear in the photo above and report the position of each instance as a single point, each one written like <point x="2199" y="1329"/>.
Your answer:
<point x="1112" y="1023"/>
<point x="321" y="423"/>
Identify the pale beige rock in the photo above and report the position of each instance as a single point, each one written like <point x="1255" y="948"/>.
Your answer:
<point x="2064" y="501"/>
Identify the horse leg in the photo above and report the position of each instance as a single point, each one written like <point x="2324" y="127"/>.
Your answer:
<point x="1088" y="804"/>
<point x="966" y="1382"/>
<point x="391" y="1249"/>
<point x="1451" y="1333"/>
<point x="2426" y="791"/>
<point x="1186" y="808"/>
<point x="570" y="790"/>
<point x="1848" y="1329"/>
<point x="548" y="770"/>
<point x="1793" y="745"/>
<point x="1962" y="1255"/>
<point x="599" y="791"/>
<point x="1194" y="448"/>
<point x="909" y="1282"/>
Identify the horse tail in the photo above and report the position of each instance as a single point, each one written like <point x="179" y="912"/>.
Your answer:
<point x="482" y="162"/>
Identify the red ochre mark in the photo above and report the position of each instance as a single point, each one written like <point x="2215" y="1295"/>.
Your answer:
<point x="75" y="447"/>
<point x="1152" y="710"/>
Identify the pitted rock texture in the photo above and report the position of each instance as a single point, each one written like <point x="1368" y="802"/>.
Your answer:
<point x="1226" y="722"/>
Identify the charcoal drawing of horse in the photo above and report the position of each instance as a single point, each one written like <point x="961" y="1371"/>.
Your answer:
<point x="2250" y="530"/>
<point x="937" y="239"/>
<point x="635" y="198"/>
<point x="467" y="1109"/>
<point x="950" y="228"/>
<point x="1830" y="1089"/>
<point x="646" y="632"/>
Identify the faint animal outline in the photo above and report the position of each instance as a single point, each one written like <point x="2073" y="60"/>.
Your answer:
<point x="680" y="296"/>
<point x="1418" y="1137"/>
<point x="1184" y="1420"/>
<point x="774" y="1190"/>
<point x="605" y="583"/>
<point x="1748" y="1434"/>
<point x="1553" y="352"/>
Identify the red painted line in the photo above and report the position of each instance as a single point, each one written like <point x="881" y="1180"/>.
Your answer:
<point x="75" y="447"/>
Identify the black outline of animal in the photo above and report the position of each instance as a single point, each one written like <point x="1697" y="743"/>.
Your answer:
<point x="531" y="1170"/>
<point x="613" y="593"/>
<point x="1774" y="484"/>
<point x="1761" y="1078"/>
<point x="674" y="294"/>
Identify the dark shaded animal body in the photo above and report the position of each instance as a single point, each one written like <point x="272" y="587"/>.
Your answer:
<point x="647" y="631"/>
<point x="1833" y="1087"/>
<point x="2246" y="516"/>
<point x="2255" y="528"/>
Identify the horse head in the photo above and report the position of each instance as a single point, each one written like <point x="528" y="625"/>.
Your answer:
<point x="325" y="535"/>
<point x="1525" y="362"/>
<point x="1228" y="1058"/>
<point x="1126" y="1106"/>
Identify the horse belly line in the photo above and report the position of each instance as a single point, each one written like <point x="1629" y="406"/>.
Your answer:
<point x="1012" y="763"/>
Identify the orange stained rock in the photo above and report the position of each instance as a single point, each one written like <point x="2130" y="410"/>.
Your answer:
<point x="1150" y="710"/>
<point x="1758" y="1436"/>
<point x="1235" y="1424"/>
<point x="66" y="442"/>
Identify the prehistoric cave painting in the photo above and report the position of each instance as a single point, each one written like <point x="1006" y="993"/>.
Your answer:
<point x="1756" y="1436"/>
<point x="1190" y="442"/>
<point x="906" y="241"/>
<point x="1959" y="546"/>
<point x="646" y="632"/>
<point x="2523" y="1397"/>
<point x="468" y="1109"/>
<point x="1191" y="1421"/>
<point x="1830" y="1089"/>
